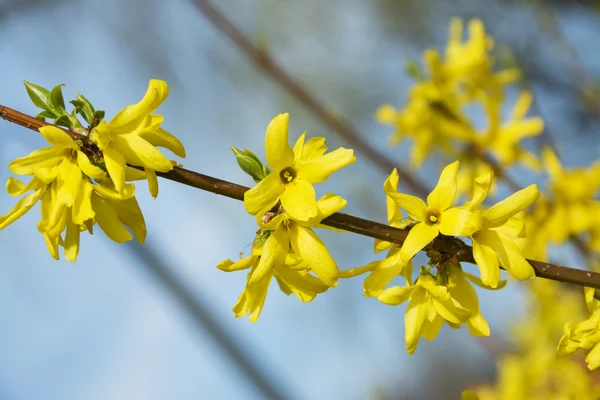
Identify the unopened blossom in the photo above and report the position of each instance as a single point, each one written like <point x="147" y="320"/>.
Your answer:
<point x="292" y="173"/>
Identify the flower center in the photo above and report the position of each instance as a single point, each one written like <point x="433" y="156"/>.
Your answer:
<point x="432" y="218"/>
<point x="287" y="175"/>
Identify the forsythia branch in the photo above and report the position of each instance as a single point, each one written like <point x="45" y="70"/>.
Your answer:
<point x="449" y="246"/>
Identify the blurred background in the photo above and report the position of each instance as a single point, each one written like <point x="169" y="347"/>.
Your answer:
<point x="110" y="327"/>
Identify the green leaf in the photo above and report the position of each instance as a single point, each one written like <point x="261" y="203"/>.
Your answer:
<point x="57" y="98"/>
<point x="413" y="70"/>
<point x="99" y="114"/>
<point x="63" y="120"/>
<point x="40" y="97"/>
<point x="84" y="107"/>
<point x="44" y="114"/>
<point x="250" y="164"/>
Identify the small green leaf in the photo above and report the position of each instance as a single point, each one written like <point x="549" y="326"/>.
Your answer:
<point x="250" y="164"/>
<point x="63" y="120"/>
<point x="39" y="96"/>
<point x="84" y="107"/>
<point x="413" y="70"/>
<point x="44" y="114"/>
<point x="99" y="114"/>
<point x="57" y="98"/>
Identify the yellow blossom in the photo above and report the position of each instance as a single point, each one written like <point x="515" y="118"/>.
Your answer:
<point x="436" y="216"/>
<point x="132" y="135"/>
<point x="494" y="241"/>
<point x="293" y="173"/>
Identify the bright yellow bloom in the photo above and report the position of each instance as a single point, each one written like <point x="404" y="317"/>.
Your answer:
<point x="471" y="63"/>
<point x="436" y="216"/>
<point x="294" y="171"/>
<point x="494" y="240"/>
<point x="70" y="202"/>
<point x="585" y="334"/>
<point x="131" y="138"/>
<point x="288" y="235"/>
<point x="392" y="265"/>
<point x="430" y="305"/>
<point x="290" y="272"/>
<point x="574" y="209"/>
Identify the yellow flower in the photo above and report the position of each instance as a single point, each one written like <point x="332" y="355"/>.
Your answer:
<point x="494" y="241"/>
<point x="504" y="140"/>
<point x="287" y="233"/>
<point x="585" y="334"/>
<point x="436" y="216"/>
<point x="429" y="306"/>
<point x="294" y="171"/>
<point x="131" y="138"/>
<point x="392" y="265"/>
<point x="70" y="203"/>
<point x="575" y="209"/>
<point x="290" y="272"/>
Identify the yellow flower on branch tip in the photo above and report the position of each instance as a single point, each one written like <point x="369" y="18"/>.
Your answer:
<point x="291" y="276"/>
<point x="430" y="305"/>
<point x="436" y="216"/>
<point x="288" y="233"/>
<point x="294" y="171"/>
<point x="585" y="334"/>
<point x="70" y="203"/>
<point x="494" y="241"/>
<point x="131" y="137"/>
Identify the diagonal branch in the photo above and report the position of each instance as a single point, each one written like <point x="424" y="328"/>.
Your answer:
<point x="336" y="123"/>
<point x="444" y="244"/>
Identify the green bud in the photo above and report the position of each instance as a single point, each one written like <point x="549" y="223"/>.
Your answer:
<point x="412" y="69"/>
<point x="250" y="164"/>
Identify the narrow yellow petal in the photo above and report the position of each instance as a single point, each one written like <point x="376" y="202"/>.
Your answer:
<point x="298" y="283"/>
<point x="418" y="237"/>
<point x="314" y="148"/>
<point x="442" y="196"/>
<point x="313" y="251"/>
<point x="522" y="105"/>
<point x="264" y="195"/>
<point x="386" y="270"/>
<point x="88" y="168"/>
<point x="486" y="260"/>
<point x="500" y="212"/>
<point x="162" y="138"/>
<point x="396" y="295"/>
<point x="414" y="206"/>
<point x="393" y="211"/>
<point x="139" y="152"/>
<point x="481" y="188"/>
<point x="131" y="116"/>
<point x="22" y="206"/>
<point x="82" y="207"/>
<point x="244" y="263"/>
<point x="115" y="165"/>
<point x="15" y="187"/>
<point x="552" y="163"/>
<point x="299" y="147"/>
<point x="278" y="152"/>
<point x="451" y="310"/>
<point x="69" y="181"/>
<point x="512" y="260"/>
<point x="275" y="249"/>
<point x="386" y="114"/>
<point x="415" y="317"/>
<point x="319" y="169"/>
<point x="300" y="200"/>
<point x="593" y="357"/>
<point x="57" y="137"/>
<point x="129" y="213"/>
<point x="152" y="182"/>
<point x="459" y="222"/>
<point x="108" y="193"/>
<point x="432" y="327"/>
<point x="109" y="222"/>
<point x="43" y="158"/>
<point x="71" y="243"/>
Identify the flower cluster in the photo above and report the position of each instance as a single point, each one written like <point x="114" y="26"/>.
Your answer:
<point x="447" y="295"/>
<point x="436" y="113"/>
<point x="80" y="182"/>
<point x="286" y="208"/>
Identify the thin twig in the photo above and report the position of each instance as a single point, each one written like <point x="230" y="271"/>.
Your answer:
<point x="336" y="123"/>
<point x="444" y="244"/>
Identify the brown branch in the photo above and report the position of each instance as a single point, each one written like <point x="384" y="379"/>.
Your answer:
<point x="444" y="244"/>
<point x="337" y="124"/>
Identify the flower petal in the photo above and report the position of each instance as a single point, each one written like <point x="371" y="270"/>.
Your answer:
<point x="481" y="188"/>
<point x="82" y="207"/>
<point x="459" y="222"/>
<point x="42" y="158"/>
<point x="386" y="270"/>
<point x="278" y="152"/>
<point x="88" y="168"/>
<point x="139" y="152"/>
<point x="152" y="182"/>
<point x="415" y="317"/>
<point x="22" y="206"/>
<point x="500" y="212"/>
<point x="418" y="237"/>
<point x="313" y="251"/>
<point x="300" y="200"/>
<point x="162" y="138"/>
<point x="264" y="195"/>
<point x="298" y="147"/>
<point x="244" y="263"/>
<point x="109" y="222"/>
<point x="396" y="295"/>
<point x="314" y="148"/>
<point x="69" y="181"/>
<point x="552" y="163"/>
<point x="71" y="243"/>
<point x="115" y="165"/>
<point x="393" y="212"/>
<point x="132" y="116"/>
<point x="129" y="213"/>
<point x="57" y="137"/>
<point x="442" y="196"/>
<point x="274" y="251"/>
<point x="486" y="260"/>
<point x="414" y="206"/>
<point x="319" y="169"/>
